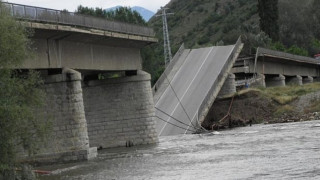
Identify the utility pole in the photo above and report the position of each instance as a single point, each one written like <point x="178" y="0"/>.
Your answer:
<point x="166" y="41"/>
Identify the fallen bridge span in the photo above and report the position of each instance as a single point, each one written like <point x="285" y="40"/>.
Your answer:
<point x="189" y="86"/>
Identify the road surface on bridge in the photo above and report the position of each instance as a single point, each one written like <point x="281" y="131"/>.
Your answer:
<point x="190" y="85"/>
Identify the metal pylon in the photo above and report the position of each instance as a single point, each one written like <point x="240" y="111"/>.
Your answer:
<point x="166" y="40"/>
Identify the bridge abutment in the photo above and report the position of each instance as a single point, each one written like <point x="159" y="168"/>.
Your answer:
<point x="68" y="140"/>
<point x="294" y="80"/>
<point x="229" y="86"/>
<point x="274" y="81"/>
<point x="120" y="111"/>
<point x="307" y="79"/>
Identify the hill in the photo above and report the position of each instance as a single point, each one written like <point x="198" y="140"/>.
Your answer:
<point x="145" y="13"/>
<point x="200" y="23"/>
<point x="208" y="22"/>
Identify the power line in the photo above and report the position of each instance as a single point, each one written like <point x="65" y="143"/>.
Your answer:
<point x="175" y="125"/>
<point x="174" y="118"/>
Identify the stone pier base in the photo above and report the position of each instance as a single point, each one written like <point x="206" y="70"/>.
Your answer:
<point x="229" y="86"/>
<point x="68" y="141"/>
<point x="276" y="81"/>
<point x="307" y="79"/>
<point x="294" y="80"/>
<point x="120" y="111"/>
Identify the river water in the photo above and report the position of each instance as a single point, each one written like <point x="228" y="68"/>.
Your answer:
<point x="276" y="151"/>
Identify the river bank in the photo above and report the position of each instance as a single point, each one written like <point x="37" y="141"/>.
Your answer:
<point x="265" y="105"/>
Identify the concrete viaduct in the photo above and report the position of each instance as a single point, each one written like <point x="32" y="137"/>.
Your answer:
<point x="273" y="68"/>
<point x="96" y="93"/>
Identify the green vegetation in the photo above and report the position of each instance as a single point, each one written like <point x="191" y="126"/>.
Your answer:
<point x="283" y="109"/>
<point x="287" y="94"/>
<point x="123" y="14"/>
<point x="20" y="93"/>
<point x="314" y="106"/>
<point x="283" y="97"/>
<point x="269" y="15"/>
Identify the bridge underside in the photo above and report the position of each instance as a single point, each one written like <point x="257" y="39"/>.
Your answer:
<point x="75" y="48"/>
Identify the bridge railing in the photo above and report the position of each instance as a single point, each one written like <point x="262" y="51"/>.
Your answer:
<point x="168" y="69"/>
<point x="39" y="14"/>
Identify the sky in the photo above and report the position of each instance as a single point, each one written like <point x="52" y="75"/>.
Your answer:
<point x="71" y="5"/>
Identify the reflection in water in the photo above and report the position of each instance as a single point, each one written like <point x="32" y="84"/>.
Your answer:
<point x="278" y="151"/>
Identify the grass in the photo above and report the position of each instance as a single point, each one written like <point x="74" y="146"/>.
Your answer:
<point x="287" y="94"/>
<point x="283" y="109"/>
<point x="283" y="96"/>
<point x="314" y="107"/>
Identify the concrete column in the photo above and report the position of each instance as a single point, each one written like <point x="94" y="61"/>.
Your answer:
<point x="276" y="81"/>
<point x="307" y="79"/>
<point x="294" y="80"/>
<point x="260" y="81"/>
<point x="64" y="108"/>
<point x="120" y="111"/>
<point x="316" y="79"/>
<point x="229" y="86"/>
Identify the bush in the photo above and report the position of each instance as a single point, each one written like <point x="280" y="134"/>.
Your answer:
<point x="20" y="93"/>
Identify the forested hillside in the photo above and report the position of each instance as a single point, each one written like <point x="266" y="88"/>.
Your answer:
<point x="200" y="23"/>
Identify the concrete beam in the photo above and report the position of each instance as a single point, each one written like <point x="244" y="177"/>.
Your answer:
<point x="244" y="69"/>
<point x="90" y="31"/>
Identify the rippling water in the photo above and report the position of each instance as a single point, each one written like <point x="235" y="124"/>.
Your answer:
<point x="278" y="151"/>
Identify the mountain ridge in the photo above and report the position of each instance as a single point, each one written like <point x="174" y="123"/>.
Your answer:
<point x="145" y="13"/>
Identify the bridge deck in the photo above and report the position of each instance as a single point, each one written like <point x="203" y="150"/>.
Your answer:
<point x="46" y="15"/>
<point x="198" y="79"/>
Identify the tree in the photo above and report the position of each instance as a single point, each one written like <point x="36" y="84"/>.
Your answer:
<point x="20" y="93"/>
<point x="123" y="14"/>
<point x="269" y="15"/>
<point x="126" y="14"/>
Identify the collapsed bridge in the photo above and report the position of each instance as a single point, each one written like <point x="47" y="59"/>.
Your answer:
<point x="188" y="87"/>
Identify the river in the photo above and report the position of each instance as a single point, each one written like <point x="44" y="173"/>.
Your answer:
<point x="275" y="151"/>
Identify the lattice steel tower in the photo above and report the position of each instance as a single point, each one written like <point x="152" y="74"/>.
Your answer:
<point x="166" y="41"/>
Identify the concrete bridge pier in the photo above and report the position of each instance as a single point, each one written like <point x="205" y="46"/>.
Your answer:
<point x="229" y="86"/>
<point x="316" y="79"/>
<point x="307" y="79"/>
<point x="274" y="81"/>
<point x="120" y="111"/>
<point x="260" y="81"/>
<point x="294" y="80"/>
<point x="68" y="141"/>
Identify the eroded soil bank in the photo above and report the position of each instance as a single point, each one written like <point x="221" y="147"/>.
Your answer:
<point x="265" y="105"/>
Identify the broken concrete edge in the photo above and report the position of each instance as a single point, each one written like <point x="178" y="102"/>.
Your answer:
<point x="141" y="76"/>
<point x="167" y="70"/>
<point x="214" y="91"/>
<point x="48" y="26"/>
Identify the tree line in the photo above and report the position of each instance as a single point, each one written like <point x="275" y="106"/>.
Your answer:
<point x="123" y="14"/>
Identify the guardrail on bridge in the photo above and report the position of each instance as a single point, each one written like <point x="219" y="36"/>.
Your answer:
<point x="70" y="18"/>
